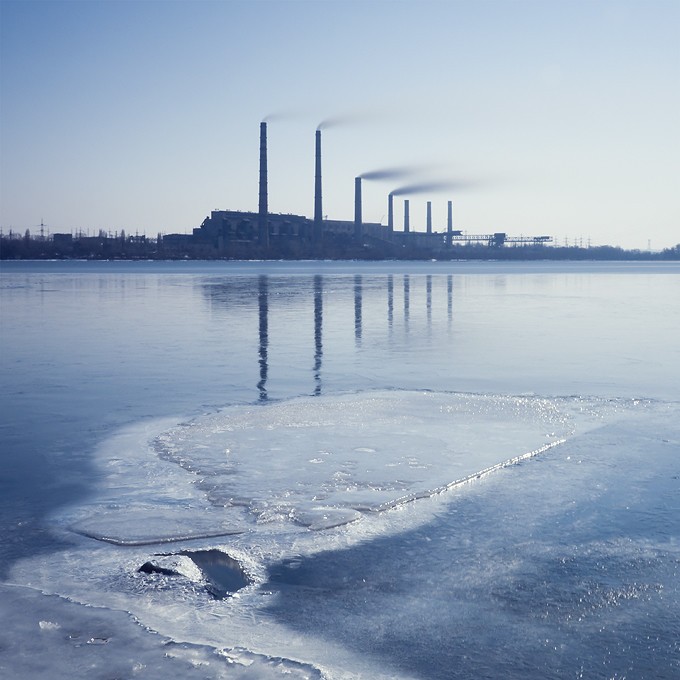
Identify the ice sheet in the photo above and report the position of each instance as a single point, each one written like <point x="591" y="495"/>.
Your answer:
<point x="50" y="637"/>
<point x="387" y="569"/>
<point x="323" y="461"/>
<point x="314" y="462"/>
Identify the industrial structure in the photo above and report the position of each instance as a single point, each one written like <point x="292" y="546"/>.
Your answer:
<point x="236" y="234"/>
<point x="225" y="230"/>
<point x="231" y="234"/>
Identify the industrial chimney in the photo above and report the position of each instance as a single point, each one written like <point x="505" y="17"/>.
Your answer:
<point x="263" y="214"/>
<point x="390" y="216"/>
<point x="429" y="217"/>
<point x="318" y="210"/>
<point x="407" y="226"/>
<point x="358" y="222"/>
<point x="449" y="225"/>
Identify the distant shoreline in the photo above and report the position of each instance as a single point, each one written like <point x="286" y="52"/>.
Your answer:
<point x="460" y="254"/>
<point x="333" y="247"/>
<point x="652" y="257"/>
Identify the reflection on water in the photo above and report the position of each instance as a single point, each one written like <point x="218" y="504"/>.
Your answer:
<point x="390" y="301"/>
<point x="263" y="306"/>
<point x="407" y="301"/>
<point x="357" y="310"/>
<point x="554" y="569"/>
<point x="318" y="332"/>
<point x="449" y="298"/>
<point x="289" y="299"/>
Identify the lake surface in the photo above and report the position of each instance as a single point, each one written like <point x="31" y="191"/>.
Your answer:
<point x="340" y="470"/>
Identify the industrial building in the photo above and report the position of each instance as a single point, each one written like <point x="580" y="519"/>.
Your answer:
<point x="228" y="231"/>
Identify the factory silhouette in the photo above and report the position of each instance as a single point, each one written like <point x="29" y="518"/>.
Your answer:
<point x="237" y="233"/>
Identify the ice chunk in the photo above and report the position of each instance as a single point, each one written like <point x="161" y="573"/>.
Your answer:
<point x="147" y="524"/>
<point x="322" y="461"/>
<point x="48" y="625"/>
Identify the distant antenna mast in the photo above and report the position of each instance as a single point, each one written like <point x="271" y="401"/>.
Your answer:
<point x="42" y="230"/>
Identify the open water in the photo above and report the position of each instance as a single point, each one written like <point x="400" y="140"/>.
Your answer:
<point x="340" y="470"/>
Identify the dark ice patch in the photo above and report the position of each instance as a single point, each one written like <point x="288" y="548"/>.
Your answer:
<point x="224" y="574"/>
<point x="151" y="568"/>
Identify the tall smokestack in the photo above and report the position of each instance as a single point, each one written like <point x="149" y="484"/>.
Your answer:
<point x="318" y="210"/>
<point x="390" y="216"/>
<point x="358" y="222"/>
<point x="449" y="225"/>
<point x="263" y="215"/>
<point x="429" y="217"/>
<point x="407" y="226"/>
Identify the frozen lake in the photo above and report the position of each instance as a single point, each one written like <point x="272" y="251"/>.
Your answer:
<point x="340" y="470"/>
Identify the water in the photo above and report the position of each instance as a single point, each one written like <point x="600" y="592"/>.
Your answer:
<point x="423" y="470"/>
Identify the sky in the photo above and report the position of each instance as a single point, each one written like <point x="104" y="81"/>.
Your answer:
<point x="539" y="117"/>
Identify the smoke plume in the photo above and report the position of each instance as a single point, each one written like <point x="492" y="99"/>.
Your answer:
<point x="346" y="119"/>
<point x="431" y="187"/>
<point x="388" y="173"/>
<point x="280" y="115"/>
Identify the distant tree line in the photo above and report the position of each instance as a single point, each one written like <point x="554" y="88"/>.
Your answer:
<point x="106" y="246"/>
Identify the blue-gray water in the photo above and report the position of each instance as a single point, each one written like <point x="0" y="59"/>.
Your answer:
<point x="563" y="566"/>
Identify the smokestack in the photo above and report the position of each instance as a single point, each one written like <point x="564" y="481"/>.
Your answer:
<point x="449" y="225"/>
<point x="429" y="217"/>
<point x="263" y="219"/>
<point x="407" y="226"/>
<point x="390" y="216"/>
<point x="318" y="211"/>
<point x="358" y="222"/>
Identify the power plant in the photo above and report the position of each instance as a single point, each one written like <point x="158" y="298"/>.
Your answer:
<point x="224" y="230"/>
<point x="233" y="234"/>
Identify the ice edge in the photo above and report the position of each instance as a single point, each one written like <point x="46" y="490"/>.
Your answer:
<point x="463" y="480"/>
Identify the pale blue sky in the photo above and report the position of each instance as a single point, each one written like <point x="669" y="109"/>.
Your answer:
<point x="144" y="116"/>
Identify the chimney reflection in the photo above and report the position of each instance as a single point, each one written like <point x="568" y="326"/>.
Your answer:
<point x="318" y="329"/>
<point x="407" y="301"/>
<point x="357" y="309"/>
<point x="449" y="298"/>
<point x="390" y="300"/>
<point x="362" y="294"/>
<point x="263" y="308"/>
